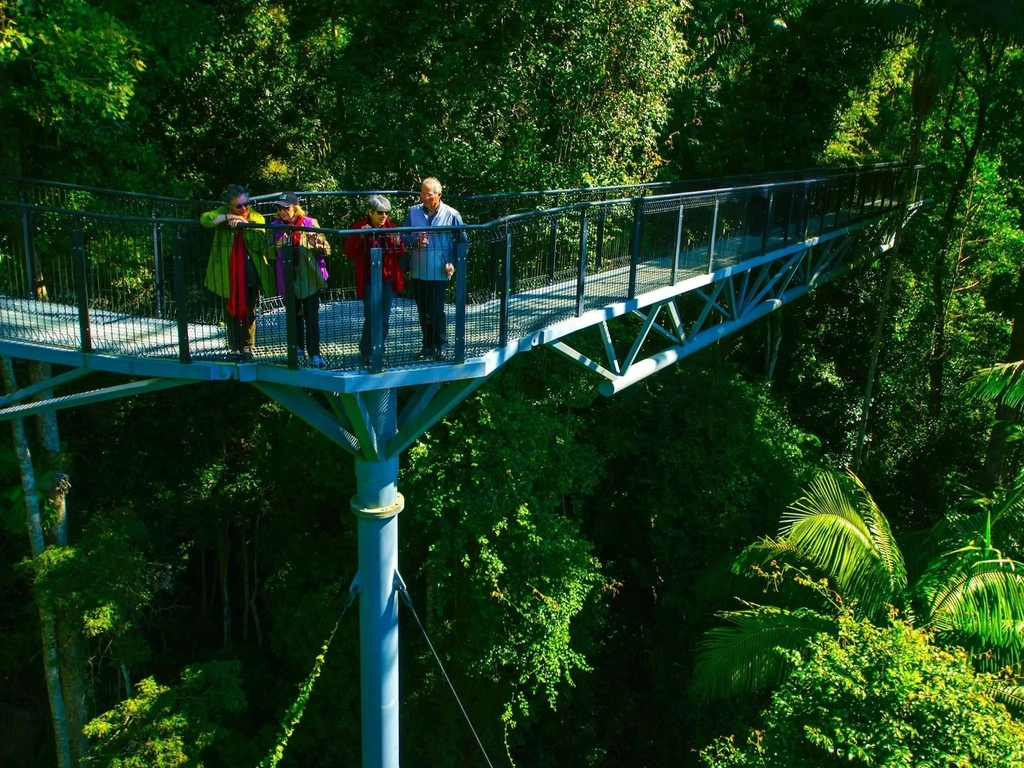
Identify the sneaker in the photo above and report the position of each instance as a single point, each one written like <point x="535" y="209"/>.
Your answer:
<point x="246" y="355"/>
<point x="300" y="353"/>
<point x="317" y="361"/>
<point x="425" y="353"/>
<point x="364" y="360"/>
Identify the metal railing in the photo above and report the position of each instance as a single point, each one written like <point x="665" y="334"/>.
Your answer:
<point x="134" y="284"/>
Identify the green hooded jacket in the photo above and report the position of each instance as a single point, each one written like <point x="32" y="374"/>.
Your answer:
<point x="220" y="253"/>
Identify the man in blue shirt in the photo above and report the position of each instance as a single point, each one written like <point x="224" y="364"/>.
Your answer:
<point x="432" y="263"/>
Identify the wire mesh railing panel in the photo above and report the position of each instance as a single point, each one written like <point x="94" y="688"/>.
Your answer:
<point x="39" y="282"/>
<point x="484" y="266"/>
<point x="609" y="253"/>
<point x="656" y="256"/>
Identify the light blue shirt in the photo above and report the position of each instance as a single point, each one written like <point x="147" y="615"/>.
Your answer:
<point x="427" y="263"/>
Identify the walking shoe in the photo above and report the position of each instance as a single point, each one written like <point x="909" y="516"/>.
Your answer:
<point x="317" y="361"/>
<point x="425" y="353"/>
<point x="300" y="353"/>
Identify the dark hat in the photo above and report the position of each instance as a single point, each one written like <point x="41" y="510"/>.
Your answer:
<point x="286" y="199"/>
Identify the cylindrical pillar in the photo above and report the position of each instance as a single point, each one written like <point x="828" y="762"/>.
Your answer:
<point x="376" y="506"/>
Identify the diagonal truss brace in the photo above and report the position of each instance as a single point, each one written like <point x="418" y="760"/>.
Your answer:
<point x="348" y="423"/>
<point x="302" y="404"/>
<point x="429" y="405"/>
<point x="736" y="300"/>
<point x="61" y="402"/>
<point x="43" y="386"/>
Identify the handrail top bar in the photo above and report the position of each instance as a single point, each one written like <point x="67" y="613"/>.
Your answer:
<point x="103" y="190"/>
<point x="831" y="172"/>
<point x="539" y="213"/>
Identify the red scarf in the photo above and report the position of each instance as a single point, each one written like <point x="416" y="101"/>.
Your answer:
<point x="237" y="305"/>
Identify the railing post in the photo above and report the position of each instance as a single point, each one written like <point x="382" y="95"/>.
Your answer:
<point x="461" y="250"/>
<point x="634" y="261"/>
<point x="81" y="269"/>
<point x="376" y="289"/>
<point x="495" y="255"/>
<point x="181" y="299"/>
<point x="288" y="297"/>
<point x="581" y="276"/>
<point x="26" y="236"/>
<point x="679" y="244"/>
<point x="824" y="206"/>
<point x="552" y="247"/>
<point x="599" y="251"/>
<point x="158" y="267"/>
<point x="505" y="290"/>
<point x="769" y="215"/>
<point x="714" y="234"/>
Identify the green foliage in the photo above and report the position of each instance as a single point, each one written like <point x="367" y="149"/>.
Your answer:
<point x="878" y="696"/>
<point x="505" y="547"/>
<point x="755" y="652"/>
<point x="837" y="525"/>
<point x="63" y="62"/>
<point x="167" y="725"/>
<point x="971" y="595"/>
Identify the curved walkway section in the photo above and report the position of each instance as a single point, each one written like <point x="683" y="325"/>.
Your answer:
<point x="117" y="283"/>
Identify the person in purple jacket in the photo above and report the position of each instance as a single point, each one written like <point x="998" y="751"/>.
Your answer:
<point x="310" y="250"/>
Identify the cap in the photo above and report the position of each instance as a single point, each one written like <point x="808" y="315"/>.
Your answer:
<point x="286" y="199"/>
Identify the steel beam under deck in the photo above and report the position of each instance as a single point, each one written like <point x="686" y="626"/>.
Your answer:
<point x="736" y="296"/>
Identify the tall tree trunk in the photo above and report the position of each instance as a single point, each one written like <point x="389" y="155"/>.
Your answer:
<point x="876" y="346"/>
<point x="225" y="592"/>
<point x="1005" y="415"/>
<point x="774" y="342"/>
<point x="922" y="107"/>
<point x="37" y="544"/>
<point x="72" y="652"/>
<point x="937" y="357"/>
<point x="256" y="581"/>
<point x="245" y="585"/>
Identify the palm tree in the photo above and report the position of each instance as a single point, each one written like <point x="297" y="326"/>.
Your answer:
<point x="836" y="541"/>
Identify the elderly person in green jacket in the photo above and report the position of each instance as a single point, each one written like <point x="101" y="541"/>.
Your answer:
<point x="238" y="266"/>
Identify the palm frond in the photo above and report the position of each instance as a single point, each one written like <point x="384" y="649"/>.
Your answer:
<point x="1009" y="695"/>
<point x="761" y="555"/>
<point x="1003" y="382"/>
<point x="838" y="527"/>
<point x="745" y="657"/>
<point x="978" y="601"/>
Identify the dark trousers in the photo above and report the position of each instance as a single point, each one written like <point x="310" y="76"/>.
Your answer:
<point x="307" y="323"/>
<point x="386" y="296"/>
<point x="429" y="296"/>
<point x="243" y="335"/>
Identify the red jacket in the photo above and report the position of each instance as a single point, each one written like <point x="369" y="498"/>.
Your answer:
<point x="357" y="248"/>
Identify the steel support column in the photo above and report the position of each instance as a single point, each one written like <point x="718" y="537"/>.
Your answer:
<point x="376" y="506"/>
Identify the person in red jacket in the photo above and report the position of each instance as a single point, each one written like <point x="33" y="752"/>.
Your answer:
<point x="357" y="248"/>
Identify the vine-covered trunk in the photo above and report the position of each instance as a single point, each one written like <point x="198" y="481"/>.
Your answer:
<point x="71" y="650"/>
<point x="37" y="544"/>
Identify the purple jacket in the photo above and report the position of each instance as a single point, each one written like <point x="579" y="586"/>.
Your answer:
<point x="310" y="265"/>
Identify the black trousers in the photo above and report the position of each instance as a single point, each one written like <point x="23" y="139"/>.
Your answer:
<point x="429" y="295"/>
<point x="307" y="323"/>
